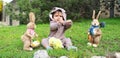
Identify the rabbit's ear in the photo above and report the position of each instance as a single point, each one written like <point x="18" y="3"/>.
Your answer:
<point x="93" y="16"/>
<point x="32" y="17"/>
<point x="98" y="15"/>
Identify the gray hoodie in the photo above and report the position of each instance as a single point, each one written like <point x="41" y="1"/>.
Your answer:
<point x="56" y="29"/>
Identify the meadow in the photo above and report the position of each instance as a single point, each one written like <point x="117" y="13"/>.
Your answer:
<point x="11" y="44"/>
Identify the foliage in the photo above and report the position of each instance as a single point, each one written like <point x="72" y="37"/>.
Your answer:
<point x="1" y="4"/>
<point x="22" y="8"/>
<point x="75" y="8"/>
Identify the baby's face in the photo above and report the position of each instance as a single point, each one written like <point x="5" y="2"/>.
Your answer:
<point x="58" y="16"/>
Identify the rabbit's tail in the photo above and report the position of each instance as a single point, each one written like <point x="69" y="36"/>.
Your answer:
<point x="102" y="24"/>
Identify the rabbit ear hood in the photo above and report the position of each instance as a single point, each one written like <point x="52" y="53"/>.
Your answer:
<point x="56" y="9"/>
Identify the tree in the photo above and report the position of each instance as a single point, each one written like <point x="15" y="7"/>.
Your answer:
<point x="112" y="3"/>
<point x="1" y="5"/>
<point x="75" y="9"/>
<point x="24" y="7"/>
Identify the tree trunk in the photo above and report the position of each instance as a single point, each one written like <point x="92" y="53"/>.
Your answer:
<point x="112" y="3"/>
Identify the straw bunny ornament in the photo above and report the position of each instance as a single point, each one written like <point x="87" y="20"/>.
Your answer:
<point x="30" y="33"/>
<point x="94" y="33"/>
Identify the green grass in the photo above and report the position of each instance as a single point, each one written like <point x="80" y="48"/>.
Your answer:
<point x="11" y="45"/>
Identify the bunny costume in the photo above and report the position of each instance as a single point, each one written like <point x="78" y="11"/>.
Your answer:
<point x="57" y="30"/>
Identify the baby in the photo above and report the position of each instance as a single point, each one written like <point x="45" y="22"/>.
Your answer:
<point x="58" y="26"/>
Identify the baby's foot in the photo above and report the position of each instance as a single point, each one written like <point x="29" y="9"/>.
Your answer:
<point x="72" y="48"/>
<point x="49" y="48"/>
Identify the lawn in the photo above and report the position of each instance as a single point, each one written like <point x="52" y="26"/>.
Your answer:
<point x="11" y="44"/>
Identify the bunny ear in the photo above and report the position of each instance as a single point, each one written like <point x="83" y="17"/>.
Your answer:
<point x="93" y="16"/>
<point x="98" y="15"/>
<point x="32" y="17"/>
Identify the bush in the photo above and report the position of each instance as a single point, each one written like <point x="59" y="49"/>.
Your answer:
<point x="75" y="9"/>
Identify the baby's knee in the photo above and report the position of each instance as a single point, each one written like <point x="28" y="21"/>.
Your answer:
<point x="44" y="40"/>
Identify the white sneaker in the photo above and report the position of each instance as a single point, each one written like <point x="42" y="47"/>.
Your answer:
<point x="90" y="44"/>
<point x="31" y="49"/>
<point x="95" y="45"/>
<point x="72" y="48"/>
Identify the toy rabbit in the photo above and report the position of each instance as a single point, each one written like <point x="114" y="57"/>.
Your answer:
<point x="94" y="33"/>
<point x="30" y="33"/>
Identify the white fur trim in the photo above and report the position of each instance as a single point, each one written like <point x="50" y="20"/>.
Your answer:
<point x="55" y="9"/>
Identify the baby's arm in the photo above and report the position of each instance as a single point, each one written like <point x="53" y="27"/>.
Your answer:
<point x="67" y="24"/>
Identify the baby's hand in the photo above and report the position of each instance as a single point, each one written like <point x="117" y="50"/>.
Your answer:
<point x="61" y="21"/>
